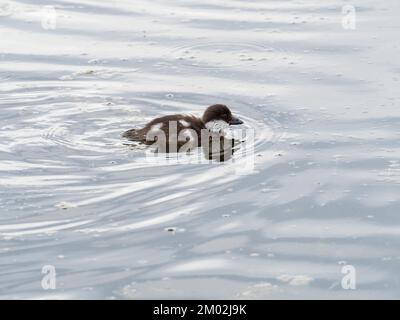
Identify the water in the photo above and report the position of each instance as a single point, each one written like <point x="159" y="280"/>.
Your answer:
<point x="323" y="102"/>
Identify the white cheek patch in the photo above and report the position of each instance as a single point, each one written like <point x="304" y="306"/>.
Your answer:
<point x="217" y="125"/>
<point x="184" y="123"/>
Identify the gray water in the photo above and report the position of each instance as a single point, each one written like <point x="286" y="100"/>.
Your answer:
<point x="321" y="98"/>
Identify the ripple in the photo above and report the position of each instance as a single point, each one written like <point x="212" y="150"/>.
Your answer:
<point x="49" y="227"/>
<point x="224" y="55"/>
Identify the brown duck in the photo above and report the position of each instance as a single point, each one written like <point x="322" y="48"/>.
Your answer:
<point x="180" y="128"/>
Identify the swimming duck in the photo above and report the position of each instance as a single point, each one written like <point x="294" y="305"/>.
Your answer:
<point x="179" y="129"/>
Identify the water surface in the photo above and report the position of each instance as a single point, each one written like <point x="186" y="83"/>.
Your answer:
<point x="324" y="193"/>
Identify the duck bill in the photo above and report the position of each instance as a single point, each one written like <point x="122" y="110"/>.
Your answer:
<point x="235" y="121"/>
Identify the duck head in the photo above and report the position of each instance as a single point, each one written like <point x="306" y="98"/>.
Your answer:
<point x="220" y="112"/>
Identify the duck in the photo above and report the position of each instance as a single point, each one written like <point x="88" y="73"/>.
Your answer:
<point x="184" y="132"/>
